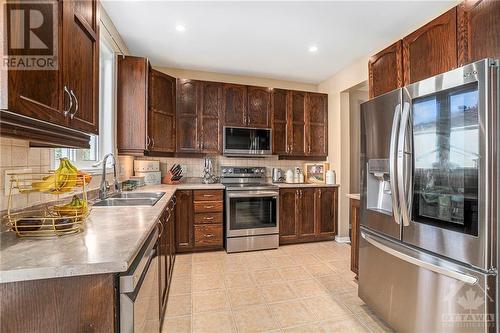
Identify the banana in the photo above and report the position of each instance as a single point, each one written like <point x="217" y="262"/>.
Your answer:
<point x="63" y="180"/>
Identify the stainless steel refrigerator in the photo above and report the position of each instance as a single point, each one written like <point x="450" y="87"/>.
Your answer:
<point x="430" y="204"/>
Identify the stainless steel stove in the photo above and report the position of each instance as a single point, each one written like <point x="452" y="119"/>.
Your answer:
<point x="251" y="209"/>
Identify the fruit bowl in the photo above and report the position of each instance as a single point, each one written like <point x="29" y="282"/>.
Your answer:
<point x="65" y="195"/>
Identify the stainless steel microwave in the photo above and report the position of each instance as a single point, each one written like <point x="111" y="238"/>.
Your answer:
<point x="245" y="141"/>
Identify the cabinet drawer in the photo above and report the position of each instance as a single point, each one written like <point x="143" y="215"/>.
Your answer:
<point x="209" y="195"/>
<point x="202" y="218"/>
<point x="208" y="235"/>
<point x="207" y="206"/>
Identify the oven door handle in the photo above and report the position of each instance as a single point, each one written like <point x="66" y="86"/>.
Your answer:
<point x="256" y="194"/>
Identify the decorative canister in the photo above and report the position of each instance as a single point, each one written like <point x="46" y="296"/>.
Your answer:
<point x="330" y="177"/>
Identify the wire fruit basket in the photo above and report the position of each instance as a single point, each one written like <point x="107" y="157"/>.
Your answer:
<point x="68" y="207"/>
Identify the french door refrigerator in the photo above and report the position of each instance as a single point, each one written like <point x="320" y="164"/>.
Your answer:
<point x="429" y="214"/>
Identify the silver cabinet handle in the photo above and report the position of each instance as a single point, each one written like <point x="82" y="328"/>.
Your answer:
<point x="152" y="143"/>
<point x="208" y="195"/>
<point x="148" y="142"/>
<point x="471" y="280"/>
<point x="209" y="235"/>
<point x="209" y="218"/>
<point x="72" y="115"/>
<point x="208" y="207"/>
<point x="402" y="170"/>
<point x="66" y="112"/>
<point x="392" y="164"/>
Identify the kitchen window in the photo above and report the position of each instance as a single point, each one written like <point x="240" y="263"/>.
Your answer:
<point x="103" y="143"/>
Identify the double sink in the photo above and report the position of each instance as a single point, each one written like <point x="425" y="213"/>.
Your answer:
<point x="130" y="199"/>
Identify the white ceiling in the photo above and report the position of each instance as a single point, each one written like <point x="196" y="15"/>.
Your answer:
<point x="266" y="39"/>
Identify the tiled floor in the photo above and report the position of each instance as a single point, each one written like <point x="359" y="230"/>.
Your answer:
<point x="296" y="288"/>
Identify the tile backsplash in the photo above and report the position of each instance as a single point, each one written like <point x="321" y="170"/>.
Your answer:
<point x="194" y="166"/>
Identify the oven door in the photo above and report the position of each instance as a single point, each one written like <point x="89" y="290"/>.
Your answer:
<point x="446" y="164"/>
<point x="251" y="213"/>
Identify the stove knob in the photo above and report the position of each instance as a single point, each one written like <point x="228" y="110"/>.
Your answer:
<point x="224" y="170"/>
<point x="230" y="170"/>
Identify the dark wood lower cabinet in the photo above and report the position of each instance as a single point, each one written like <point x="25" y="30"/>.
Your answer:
<point x="354" y="235"/>
<point x="308" y="214"/>
<point x="199" y="220"/>
<point x="73" y="304"/>
<point x="166" y="252"/>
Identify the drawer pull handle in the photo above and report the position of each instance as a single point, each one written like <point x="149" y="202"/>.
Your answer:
<point x="209" y="218"/>
<point x="208" y="207"/>
<point x="209" y="235"/>
<point x="208" y="195"/>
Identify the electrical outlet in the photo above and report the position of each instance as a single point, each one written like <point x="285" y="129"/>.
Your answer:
<point x="7" y="184"/>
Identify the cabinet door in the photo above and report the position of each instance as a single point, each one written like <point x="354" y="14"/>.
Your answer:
<point x="307" y="220"/>
<point x="297" y="121"/>
<point x="39" y="93"/>
<point x="432" y="49"/>
<point x="289" y="214"/>
<point x="131" y="98"/>
<point x="235" y="104"/>
<point x="385" y="70"/>
<point x="161" y="113"/>
<point x="327" y="211"/>
<point x="258" y="107"/>
<point x="280" y="116"/>
<point x="184" y="221"/>
<point x="210" y="116"/>
<point x="187" y="116"/>
<point x="317" y="119"/>
<point x="478" y="30"/>
<point x="81" y="62"/>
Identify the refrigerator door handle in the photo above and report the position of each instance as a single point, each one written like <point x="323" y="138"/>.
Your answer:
<point x="393" y="164"/>
<point x="403" y="172"/>
<point x="468" y="279"/>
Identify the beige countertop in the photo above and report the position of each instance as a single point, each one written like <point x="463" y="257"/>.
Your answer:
<point x="112" y="238"/>
<point x="354" y="196"/>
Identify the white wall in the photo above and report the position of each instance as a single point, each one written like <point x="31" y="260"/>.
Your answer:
<point x="338" y="130"/>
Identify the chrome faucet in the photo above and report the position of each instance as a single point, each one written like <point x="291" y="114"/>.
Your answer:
<point x="104" y="187"/>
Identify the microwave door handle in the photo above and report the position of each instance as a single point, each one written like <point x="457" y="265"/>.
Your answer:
<point x="403" y="172"/>
<point x="393" y="164"/>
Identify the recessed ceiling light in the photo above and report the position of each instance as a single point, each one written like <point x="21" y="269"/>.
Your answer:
<point x="180" y="28"/>
<point x="313" y="48"/>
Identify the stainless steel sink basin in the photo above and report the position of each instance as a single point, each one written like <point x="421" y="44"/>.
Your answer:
<point x="131" y="199"/>
<point x="137" y="195"/>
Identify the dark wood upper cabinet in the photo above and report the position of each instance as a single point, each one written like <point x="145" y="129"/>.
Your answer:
<point x="432" y="49"/>
<point x="211" y="117"/>
<point x="161" y="115"/>
<point x="132" y="105"/>
<point x="258" y="107"/>
<point x="297" y="120"/>
<point x="81" y="62"/>
<point x="317" y="120"/>
<point x="280" y="121"/>
<point x="67" y="96"/>
<point x="478" y="30"/>
<point x="385" y="70"/>
<point x="187" y="116"/>
<point x="184" y="238"/>
<point x="39" y="93"/>
<point x="199" y="116"/>
<point x="235" y="104"/>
